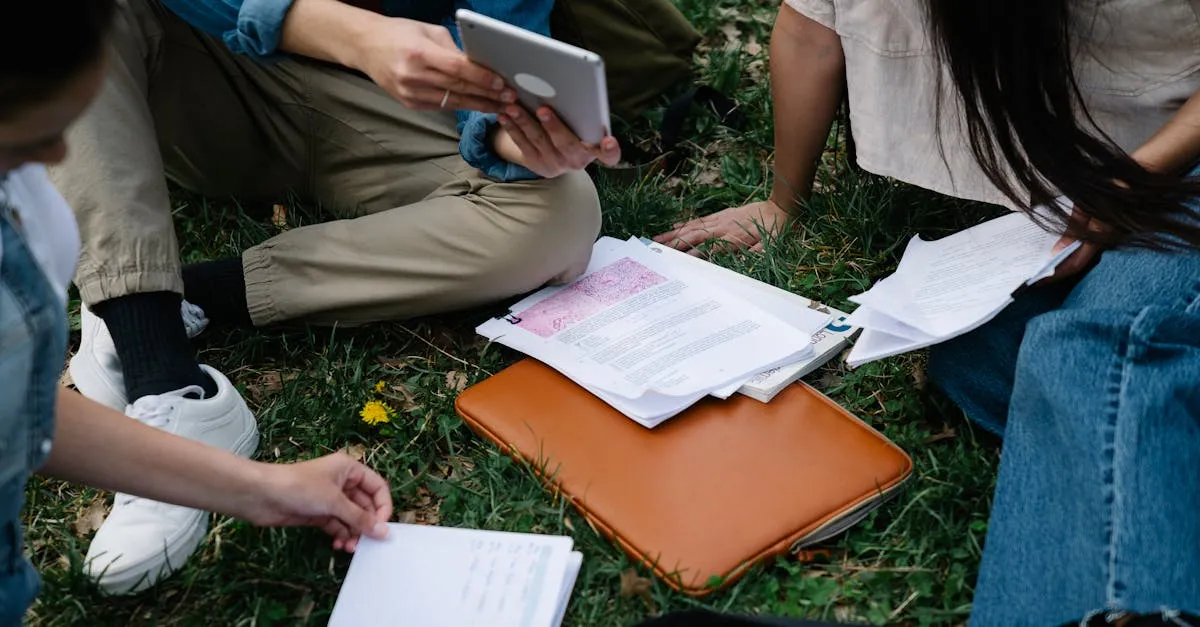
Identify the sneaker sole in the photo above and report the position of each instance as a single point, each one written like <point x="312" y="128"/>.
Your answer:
<point x="137" y="580"/>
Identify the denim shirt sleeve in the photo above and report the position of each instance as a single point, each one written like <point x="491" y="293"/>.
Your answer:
<point x="475" y="128"/>
<point x="249" y="27"/>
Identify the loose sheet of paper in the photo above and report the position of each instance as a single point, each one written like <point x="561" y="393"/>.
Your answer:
<point x="942" y="286"/>
<point x="444" y="577"/>
<point x="633" y="325"/>
<point x="949" y="287"/>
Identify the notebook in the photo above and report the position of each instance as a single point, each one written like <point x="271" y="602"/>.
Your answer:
<point x="705" y="496"/>
<point x="448" y="577"/>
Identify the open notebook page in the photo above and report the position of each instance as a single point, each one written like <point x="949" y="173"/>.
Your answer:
<point x="447" y="577"/>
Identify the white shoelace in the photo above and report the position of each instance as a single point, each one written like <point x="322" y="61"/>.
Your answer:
<point x="155" y="411"/>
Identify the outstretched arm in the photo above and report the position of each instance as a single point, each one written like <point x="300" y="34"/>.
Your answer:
<point x="97" y="446"/>
<point x="807" y="73"/>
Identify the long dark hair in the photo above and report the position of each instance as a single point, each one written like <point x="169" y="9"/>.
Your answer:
<point x="50" y="43"/>
<point x="1011" y="63"/>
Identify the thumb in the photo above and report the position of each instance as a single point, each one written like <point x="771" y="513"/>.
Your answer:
<point x="358" y="519"/>
<point x="1062" y="243"/>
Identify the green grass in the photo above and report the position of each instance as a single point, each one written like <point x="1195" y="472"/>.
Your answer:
<point x="911" y="562"/>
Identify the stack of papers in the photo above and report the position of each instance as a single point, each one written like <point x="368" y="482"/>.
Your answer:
<point x="651" y="336"/>
<point x="789" y="306"/>
<point x="945" y="288"/>
<point x="445" y="577"/>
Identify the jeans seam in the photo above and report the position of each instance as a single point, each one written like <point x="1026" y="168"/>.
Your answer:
<point x="1118" y="377"/>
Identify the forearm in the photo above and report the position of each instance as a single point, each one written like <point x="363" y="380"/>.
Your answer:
<point x="807" y="77"/>
<point x="1176" y="146"/>
<point x="97" y="446"/>
<point x="328" y="30"/>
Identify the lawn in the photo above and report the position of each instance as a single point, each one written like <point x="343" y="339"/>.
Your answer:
<point x="912" y="562"/>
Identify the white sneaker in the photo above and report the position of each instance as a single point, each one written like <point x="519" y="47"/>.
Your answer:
<point x="143" y="541"/>
<point x="96" y="369"/>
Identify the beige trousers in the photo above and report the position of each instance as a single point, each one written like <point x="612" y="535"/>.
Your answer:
<point x="419" y="230"/>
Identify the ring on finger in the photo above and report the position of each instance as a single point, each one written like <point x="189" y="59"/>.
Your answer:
<point x="445" y="99"/>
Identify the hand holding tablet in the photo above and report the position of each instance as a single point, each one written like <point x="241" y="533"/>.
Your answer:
<point x="561" y="120"/>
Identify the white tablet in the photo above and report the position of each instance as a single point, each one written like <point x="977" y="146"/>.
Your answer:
<point x="542" y="70"/>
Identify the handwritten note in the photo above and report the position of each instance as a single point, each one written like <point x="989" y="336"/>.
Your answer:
<point x="438" y="576"/>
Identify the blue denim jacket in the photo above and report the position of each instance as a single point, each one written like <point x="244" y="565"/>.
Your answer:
<point x="33" y="342"/>
<point x="254" y="28"/>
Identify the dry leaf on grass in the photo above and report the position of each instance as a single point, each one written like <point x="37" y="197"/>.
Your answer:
<point x="733" y="34"/>
<point x="404" y="395"/>
<point x="269" y="382"/>
<point x="456" y="381"/>
<point x="753" y="48"/>
<point x="635" y="585"/>
<point x="91" y="518"/>
<point x="426" y="509"/>
<point x="947" y="434"/>
<point x="356" y="452"/>
<point x="829" y="380"/>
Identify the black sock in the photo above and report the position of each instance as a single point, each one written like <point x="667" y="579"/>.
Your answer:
<point x="219" y="288"/>
<point x="154" y="348"/>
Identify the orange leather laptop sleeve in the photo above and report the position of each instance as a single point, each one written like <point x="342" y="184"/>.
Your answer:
<point x="706" y="495"/>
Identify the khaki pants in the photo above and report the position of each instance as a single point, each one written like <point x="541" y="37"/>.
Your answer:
<point x="420" y="231"/>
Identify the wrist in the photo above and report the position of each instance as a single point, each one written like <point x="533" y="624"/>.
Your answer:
<point x="363" y="29"/>
<point x="252" y="485"/>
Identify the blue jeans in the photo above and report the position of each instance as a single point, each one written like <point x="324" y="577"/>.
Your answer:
<point x="1095" y="388"/>
<point x="33" y="337"/>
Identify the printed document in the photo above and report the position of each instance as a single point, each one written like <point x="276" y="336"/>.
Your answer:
<point x="633" y="325"/>
<point x="945" y="288"/>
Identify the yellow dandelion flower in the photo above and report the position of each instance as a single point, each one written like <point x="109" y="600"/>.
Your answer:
<point x="375" y="412"/>
<point x="379" y="387"/>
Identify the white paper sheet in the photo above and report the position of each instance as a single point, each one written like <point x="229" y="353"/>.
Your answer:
<point x="634" y="325"/>
<point x="949" y="287"/>
<point x="445" y="577"/>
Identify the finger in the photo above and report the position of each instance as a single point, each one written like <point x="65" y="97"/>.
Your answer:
<point x="534" y="132"/>
<point x="1075" y="264"/>
<point x="680" y="227"/>
<point x="436" y="80"/>
<point x="431" y="98"/>
<point x="693" y="238"/>
<point x="357" y="519"/>
<point x="335" y="529"/>
<point x="610" y="151"/>
<point x="453" y="63"/>
<point x="574" y="152"/>
<point x="530" y="153"/>
<point x="377" y="498"/>
<point x="1062" y="243"/>
<point x="757" y="248"/>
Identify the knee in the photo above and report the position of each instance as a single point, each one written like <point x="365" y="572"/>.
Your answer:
<point x="559" y="221"/>
<point x="571" y="209"/>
